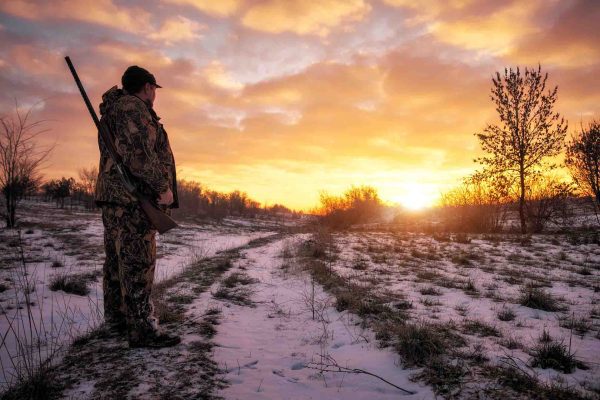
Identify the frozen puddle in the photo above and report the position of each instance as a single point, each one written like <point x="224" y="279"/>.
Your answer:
<point x="267" y="350"/>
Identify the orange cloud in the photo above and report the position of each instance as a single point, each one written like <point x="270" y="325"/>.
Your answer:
<point x="301" y="17"/>
<point x="496" y="33"/>
<point x="217" y="75"/>
<point x="177" y="29"/>
<point x="220" y="8"/>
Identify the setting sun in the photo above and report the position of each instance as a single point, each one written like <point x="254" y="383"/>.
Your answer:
<point x="416" y="197"/>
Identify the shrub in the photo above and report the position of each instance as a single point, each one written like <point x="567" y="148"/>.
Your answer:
<point x="478" y="204"/>
<point x="358" y="205"/>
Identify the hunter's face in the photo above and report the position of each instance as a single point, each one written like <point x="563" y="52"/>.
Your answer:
<point x="151" y="92"/>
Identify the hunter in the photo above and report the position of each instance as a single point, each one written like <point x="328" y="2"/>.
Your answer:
<point x="129" y="237"/>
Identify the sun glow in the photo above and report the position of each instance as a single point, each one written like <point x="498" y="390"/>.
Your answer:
<point x="416" y="197"/>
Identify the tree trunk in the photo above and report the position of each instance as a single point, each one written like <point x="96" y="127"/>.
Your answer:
<point x="10" y="211"/>
<point x="13" y="208"/>
<point x="522" y="202"/>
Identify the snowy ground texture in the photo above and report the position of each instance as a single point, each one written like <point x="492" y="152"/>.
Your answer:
<point x="269" y="314"/>
<point x="64" y="243"/>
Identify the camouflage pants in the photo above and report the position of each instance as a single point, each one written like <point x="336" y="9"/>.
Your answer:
<point x="130" y="247"/>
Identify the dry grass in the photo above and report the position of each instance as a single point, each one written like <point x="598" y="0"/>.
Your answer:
<point x="506" y="314"/>
<point x="550" y="353"/>
<point x="71" y="283"/>
<point x="535" y="297"/>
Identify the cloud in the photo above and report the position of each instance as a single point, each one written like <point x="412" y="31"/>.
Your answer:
<point x="220" y="8"/>
<point x="571" y="40"/>
<point x="495" y="33"/>
<point x="304" y="18"/>
<point x="217" y="75"/>
<point x="177" y="29"/>
<point x="101" y="12"/>
<point x="488" y="26"/>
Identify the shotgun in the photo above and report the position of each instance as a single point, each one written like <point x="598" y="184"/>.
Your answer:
<point x="161" y="221"/>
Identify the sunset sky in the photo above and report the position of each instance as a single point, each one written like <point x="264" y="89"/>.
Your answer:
<point x="282" y="99"/>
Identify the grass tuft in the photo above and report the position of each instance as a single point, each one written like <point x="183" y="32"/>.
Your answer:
<point x="540" y="299"/>
<point x="550" y="353"/>
<point x="431" y="291"/>
<point x="233" y="289"/>
<point x="418" y="343"/>
<point x="74" y="284"/>
<point x="506" y="314"/>
<point x="480" y="328"/>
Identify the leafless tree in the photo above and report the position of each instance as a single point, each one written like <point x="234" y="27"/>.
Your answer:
<point x="583" y="161"/>
<point x="529" y="130"/>
<point x="21" y="159"/>
<point x="87" y="183"/>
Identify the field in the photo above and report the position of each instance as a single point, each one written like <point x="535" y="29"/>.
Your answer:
<point x="266" y="311"/>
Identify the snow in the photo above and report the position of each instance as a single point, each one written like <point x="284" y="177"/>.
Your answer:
<point x="271" y="349"/>
<point x="545" y="261"/>
<point x="74" y="238"/>
<point x="265" y="349"/>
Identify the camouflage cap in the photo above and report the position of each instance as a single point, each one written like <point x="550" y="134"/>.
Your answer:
<point x="135" y="77"/>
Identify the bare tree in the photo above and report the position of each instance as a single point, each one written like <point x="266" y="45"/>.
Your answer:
<point x="583" y="161"/>
<point x="21" y="159"/>
<point x="87" y="184"/>
<point x="529" y="131"/>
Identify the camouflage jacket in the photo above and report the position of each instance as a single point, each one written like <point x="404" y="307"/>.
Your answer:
<point x="143" y="144"/>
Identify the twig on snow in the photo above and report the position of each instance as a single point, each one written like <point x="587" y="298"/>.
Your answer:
<point x="329" y="364"/>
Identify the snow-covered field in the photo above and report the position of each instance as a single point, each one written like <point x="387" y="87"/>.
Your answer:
<point x="62" y="242"/>
<point x="272" y="349"/>
<point x="479" y="284"/>
<point x="256" y="323"/>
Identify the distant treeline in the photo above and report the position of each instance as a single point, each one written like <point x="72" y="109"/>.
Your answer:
<point x="195" y="199"/>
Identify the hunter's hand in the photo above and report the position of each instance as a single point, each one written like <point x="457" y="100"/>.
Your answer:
<point x="166" y="198"/>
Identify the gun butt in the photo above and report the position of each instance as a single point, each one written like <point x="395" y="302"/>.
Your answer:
<point x="161" y="221"/>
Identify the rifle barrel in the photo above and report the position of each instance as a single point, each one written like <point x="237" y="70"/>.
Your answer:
<point x="83" y="93"/>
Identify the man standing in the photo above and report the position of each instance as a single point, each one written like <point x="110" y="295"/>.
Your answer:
<point x="129" y="237"/>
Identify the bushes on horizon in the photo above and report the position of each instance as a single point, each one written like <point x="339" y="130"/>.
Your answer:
<point x="547" y="202"/>
<point x="482" y="203"/>
<point x="358" y="205"/>
<point x="479" y="204"/>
